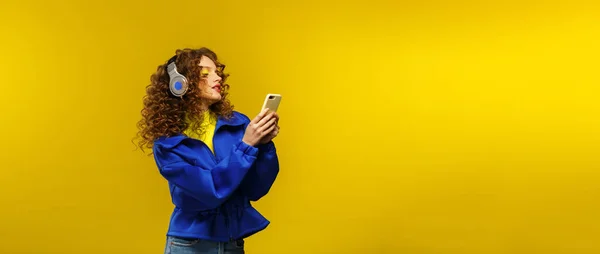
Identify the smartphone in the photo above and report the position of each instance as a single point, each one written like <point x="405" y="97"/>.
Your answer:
<point x="272" y="102"/>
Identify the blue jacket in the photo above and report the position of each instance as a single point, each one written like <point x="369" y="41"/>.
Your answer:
<point x="212" y="193"/>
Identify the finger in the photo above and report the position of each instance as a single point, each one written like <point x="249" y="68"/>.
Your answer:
<point x="268" y="126"/>
<point x="265" y="119"/>
<point x="274" y="132"/>
<point x="260" y="115"/>
<point x="270" y="130"/>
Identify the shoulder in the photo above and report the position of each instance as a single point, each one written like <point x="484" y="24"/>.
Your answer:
<point x="171" y="142"/>
<point x="236" y="119"/>
<point x="168" y="142"/>
<point x="166" y="150"/>
<point x="241" y="116"/>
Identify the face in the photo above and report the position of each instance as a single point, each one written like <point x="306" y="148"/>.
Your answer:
<point x="210" y="85"/>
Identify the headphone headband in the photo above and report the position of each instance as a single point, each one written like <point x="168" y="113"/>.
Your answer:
<point x="172" y="59"/>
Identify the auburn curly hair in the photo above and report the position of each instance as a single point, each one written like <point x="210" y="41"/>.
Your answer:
<point x="164" y="114"/>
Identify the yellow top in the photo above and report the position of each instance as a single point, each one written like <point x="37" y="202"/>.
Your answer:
<point x="209" y="123"/>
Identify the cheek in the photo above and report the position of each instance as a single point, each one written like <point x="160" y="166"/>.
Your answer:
<point x="202" y="85"/>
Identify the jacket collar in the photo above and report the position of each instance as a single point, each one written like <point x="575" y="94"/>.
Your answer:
<point x="172" y="141"/>
<point x="235" y="120"/>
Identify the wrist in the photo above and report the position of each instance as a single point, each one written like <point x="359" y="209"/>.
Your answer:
<point x="249" y="142"/>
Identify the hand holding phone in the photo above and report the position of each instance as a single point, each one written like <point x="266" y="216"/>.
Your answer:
<point x="262" y="126"/>
<point x="271" y="104"/>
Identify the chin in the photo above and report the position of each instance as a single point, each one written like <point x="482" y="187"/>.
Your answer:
<point x="215" y="99"/>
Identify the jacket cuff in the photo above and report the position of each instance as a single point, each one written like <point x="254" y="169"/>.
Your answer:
<point x="247" y="149"/>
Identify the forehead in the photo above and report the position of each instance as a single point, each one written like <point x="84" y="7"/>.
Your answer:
<point x="207" y="62"/>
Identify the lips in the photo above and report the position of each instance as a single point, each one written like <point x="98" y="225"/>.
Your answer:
<point x="217" y="88"/>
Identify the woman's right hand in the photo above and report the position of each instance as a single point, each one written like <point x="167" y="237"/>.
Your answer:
<point x="263" y="124"/>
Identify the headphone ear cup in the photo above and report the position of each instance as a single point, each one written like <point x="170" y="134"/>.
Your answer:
<point x="178" y="85"/>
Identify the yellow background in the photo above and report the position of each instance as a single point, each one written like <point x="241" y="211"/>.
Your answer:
<point x="435" y="127"/>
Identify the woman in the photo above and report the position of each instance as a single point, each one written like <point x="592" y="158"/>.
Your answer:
<point x="215" y="160"/>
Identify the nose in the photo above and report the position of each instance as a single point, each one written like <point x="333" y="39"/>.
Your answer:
<point x="217" y="79"/>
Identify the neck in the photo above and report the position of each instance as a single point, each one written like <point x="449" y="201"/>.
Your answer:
<point x="205" y="110"/>
<point x="204" y="107"/>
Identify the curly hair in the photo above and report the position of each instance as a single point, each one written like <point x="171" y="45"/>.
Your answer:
<point x="166" y="115"/>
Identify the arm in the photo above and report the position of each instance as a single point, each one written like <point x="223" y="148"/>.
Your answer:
<point x="261" y="177"/>
<point x="210" y="186"/>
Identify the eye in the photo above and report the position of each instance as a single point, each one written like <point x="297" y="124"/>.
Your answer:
<point x="204" y="72"/>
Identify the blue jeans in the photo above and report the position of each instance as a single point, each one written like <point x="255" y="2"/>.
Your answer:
<point x="176" y="245"/>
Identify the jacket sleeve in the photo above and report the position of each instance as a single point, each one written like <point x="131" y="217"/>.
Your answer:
<point x="261" y="177"/>
<point x="210" y="186"/>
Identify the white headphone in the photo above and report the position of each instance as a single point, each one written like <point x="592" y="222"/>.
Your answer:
<point x="178" y="84"/>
